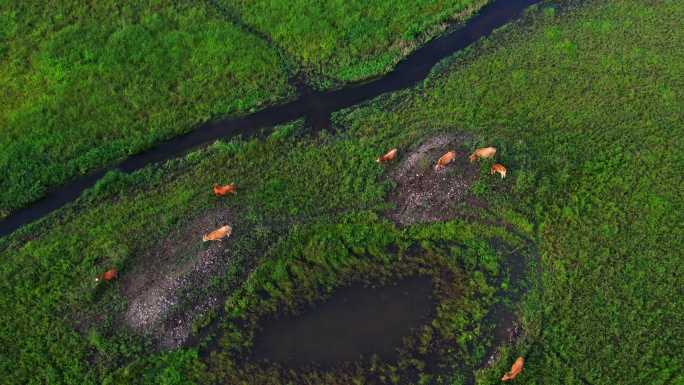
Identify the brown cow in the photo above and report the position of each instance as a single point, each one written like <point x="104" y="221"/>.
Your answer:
<point x="516" y="369"/>
<point x="444" y="160"/>
<point x="482" y="153"/>
<point x="218" y="234"/>
<point x="391" y="154"/>
<point x="220" y="191"/>
<point x="107" y="275"/>
<point x="500" y="168"/>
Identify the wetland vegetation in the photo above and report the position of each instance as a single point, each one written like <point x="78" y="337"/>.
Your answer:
<point x="86" y="85"/>
<point x="580" y="244"/>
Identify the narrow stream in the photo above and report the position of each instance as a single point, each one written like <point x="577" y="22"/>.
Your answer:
<point x="355" y="322"/>
<point x="315" y="106"/>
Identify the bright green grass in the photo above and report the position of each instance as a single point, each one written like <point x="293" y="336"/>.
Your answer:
<point x="84" y="85"/>
<point x="585" y="108"/>
<point x="337" y="41"/>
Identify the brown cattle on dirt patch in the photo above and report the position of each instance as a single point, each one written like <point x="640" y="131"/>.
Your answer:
<point x="218" y="234"/>
<point x="482" y="153"/>
<point x="516" y="369"/>
<point x="220" y="191"/>
<point x="499" y="168"/>
<point x="165" y="284"/>
<point x="423" y="195"/>
<point x="391" y="154"/>
<point x="444" y="160"/>
<point x="107" y="275"/>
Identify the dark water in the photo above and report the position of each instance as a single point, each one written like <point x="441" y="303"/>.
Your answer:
<point x="315" y="106"/>
<point x="503" y="316"/>
<point x="355" y="322"/>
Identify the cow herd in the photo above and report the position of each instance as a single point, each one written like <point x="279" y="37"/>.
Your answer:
<point x="444" y="160"/>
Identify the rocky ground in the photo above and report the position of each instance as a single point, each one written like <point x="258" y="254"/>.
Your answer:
<point x="163" y="280"/>
<point x="423" y="194"/>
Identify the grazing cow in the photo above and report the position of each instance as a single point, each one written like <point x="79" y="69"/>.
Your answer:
<point x="516" y="368"/>
<point x="444" y="160"/>
<point x="218" y="234"/>
<point x="107" y="275"/>
<point x="391" y="154"/>
<point x="220" y="191"/>
<point x="482" y="153"/>
<point x="500" y="168"/>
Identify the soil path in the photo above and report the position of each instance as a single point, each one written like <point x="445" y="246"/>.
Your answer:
<point x="316" y="107"/>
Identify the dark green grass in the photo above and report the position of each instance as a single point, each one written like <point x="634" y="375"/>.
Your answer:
<point x="585" y="108"/>
<point x="290" y="193"/>
<point x="121" y="224"/>
<point x="83" y="85"/>
<point x="316" y="259"/>
<point x="335" y="41"/>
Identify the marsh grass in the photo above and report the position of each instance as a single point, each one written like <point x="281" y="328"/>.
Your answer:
<point x="583" y="104"/>
<point x="336" y="42"/>
<point x="86" y="85"/>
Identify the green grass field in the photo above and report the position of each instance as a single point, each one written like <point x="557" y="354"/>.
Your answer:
<point x="335" y="41"/>
<point x="84" y="86"/>
<point x="584" y="103"/>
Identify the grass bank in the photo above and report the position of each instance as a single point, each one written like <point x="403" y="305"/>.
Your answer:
<point x="86" y="85"/>
<point x="336" y="42"/>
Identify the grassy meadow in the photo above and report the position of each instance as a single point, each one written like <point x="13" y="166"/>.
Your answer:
<point x="584" y="103"/>
<point x="85" y="85"/>
<point x="335" y="42"/>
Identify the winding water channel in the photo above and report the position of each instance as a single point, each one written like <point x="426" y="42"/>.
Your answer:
<point x="316" y="107"/>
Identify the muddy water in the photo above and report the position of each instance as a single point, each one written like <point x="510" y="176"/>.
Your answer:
<point x="507" y="326"/>
<point x="355" y="322"/>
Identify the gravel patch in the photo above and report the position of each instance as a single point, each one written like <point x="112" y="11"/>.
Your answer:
<point x="423" y="194"/>
<point x="172" y="275"/>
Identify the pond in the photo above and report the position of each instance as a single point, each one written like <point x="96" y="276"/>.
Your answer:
<point x="355" y="322"/>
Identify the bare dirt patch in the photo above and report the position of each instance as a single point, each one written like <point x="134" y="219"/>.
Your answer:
<point x="423" y="194"/>
<point x="166" y="289"/>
